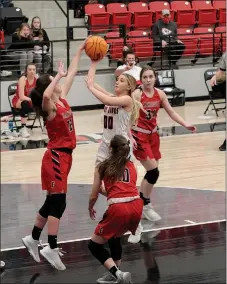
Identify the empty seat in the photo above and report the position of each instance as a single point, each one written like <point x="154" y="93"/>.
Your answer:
<point x="222" y="30"/>
<point x="97" y="17"/>
<point x="116" y="45"/>
<point x="119" y="13"/>
<point x="185" y="15"/>
<point x="141" y="42"/>
<point x="206" y="14"/>
<point x="208" y="42"/>
<point x="157" y="7"/>
<point x="142" y="16"/>
<point x="190" y="41"/>
<point x="221" y="7"/>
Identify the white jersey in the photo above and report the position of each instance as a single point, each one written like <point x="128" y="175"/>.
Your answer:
<point x="116" y="120"/>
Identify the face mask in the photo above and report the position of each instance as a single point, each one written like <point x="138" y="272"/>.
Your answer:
<point x="166" y="20"/>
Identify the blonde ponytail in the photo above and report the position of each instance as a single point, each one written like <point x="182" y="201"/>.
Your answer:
<point x="137" y="106"/>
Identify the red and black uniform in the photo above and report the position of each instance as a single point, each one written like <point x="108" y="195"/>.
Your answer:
<point x="145" y="133"/>
<point x="27" y="90"/>
<point x="125" y="206"/>
<point x="57" y="160"/>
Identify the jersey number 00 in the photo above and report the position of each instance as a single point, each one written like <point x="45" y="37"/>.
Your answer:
<point x="108" y="122"/>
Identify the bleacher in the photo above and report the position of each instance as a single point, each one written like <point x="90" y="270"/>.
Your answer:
<point x="201" y="27"/>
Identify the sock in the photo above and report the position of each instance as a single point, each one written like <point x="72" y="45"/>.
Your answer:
<point x="145" y="200"/>
<point x="36" y="232"/>
<point x="113" y="271"/>
<point x="23" y="125"/>
<point x="52" y="240"/>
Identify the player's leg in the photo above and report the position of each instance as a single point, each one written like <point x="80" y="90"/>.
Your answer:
<point x="57" y="188"/>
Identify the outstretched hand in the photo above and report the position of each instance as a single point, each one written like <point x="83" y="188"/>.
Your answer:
<point x="192" y="128"/>
<point x="61" y="69"/>
<point x="92" y="214"/>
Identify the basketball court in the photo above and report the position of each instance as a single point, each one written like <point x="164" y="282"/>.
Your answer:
<point x="190" y="197"/>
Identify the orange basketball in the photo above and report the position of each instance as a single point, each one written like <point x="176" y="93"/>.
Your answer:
<point x="96" y="48"/>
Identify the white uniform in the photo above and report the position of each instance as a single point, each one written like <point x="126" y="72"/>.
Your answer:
<point x="116" y="120"/>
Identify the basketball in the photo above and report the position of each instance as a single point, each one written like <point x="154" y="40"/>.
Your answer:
<point x="96" y="48"/>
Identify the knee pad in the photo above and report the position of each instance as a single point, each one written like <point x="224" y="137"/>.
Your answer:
<point x="25" y="108"/>
<point x="45" y="209"/>
<point x="115" y="248"/>
<point x="152" y="176"/>
<point x="98" y="251"/>
<point x="57" y="205"/>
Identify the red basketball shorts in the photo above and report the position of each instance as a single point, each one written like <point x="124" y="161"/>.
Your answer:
<point x="55" y="168"/>
<point x="148" y="146"/>
<point x="120" y="218"/>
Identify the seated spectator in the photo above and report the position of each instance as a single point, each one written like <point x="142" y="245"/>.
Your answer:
<point x="23" y="48"/>
<point x="21" y="99"/>
<point x="129" y="67"/>
<point x="218" y="84"/>
<point x="39" y="35"/>
<point x="126" y="50"/>
<point x="164" y="33"/>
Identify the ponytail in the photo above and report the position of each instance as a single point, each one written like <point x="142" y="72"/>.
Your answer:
<point x="137" y="106"/>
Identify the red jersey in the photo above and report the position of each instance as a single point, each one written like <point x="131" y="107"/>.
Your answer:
<point x="126" y="187"/>
<point x="27" y="88"/>
<point x="61" y="130"/>
<point x="151" y="105"/>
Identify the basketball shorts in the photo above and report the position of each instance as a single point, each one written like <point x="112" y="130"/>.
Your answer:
<point x="55" y="168"/>
<point x="120" y="218"/>
<point x="104" y="152"/>
<point x="148" y="146"/>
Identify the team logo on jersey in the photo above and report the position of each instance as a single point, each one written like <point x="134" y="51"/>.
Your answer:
<point x="52" y="184"/>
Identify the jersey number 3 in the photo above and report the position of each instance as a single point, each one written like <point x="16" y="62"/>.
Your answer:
<point x="126" y="176"/>
<point x="108" y="122"/>
<point x="70" y="125"/>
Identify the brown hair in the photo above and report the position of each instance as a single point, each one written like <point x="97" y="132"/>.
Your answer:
<point x="40" y="30"/>
<point x="113" y="168"/>
<point x="36" y="94"/>
<point x="18" y="31"/>
<point x="144" y="69"/>
<point x="26" y="68"/>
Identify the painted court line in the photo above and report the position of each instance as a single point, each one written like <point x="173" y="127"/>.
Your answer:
<point x="190" y="222"/>
<point x="144" y="231"/>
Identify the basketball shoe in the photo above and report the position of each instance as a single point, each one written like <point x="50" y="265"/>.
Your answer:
<point x="150" y="214"/>
<point x="121" y="277"/>
<point x="53" y="257"/>
<point x="32" y="247"/>
<point x="134" y="239"/>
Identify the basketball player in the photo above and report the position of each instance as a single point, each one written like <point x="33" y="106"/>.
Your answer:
<point x="124" y="212"/>
<point x="147" y="137"/>
<point x="21" y="100"/>
<point x="120" y="111"/>
<point x="49" y="100"/>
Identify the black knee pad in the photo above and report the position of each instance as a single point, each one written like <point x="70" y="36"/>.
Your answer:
<point x="115" y="248"/>
<point x="25" y="109"/>
<point x="57" y="205"/>
<point x="99" y="252"/>
<point x="152" y="176"/>
<point x="45" y="209"/>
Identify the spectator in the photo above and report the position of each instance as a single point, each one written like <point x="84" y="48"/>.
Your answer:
<point x="164" y="33"/>
<point x="39" y="35"/>
<point x="126" y="50"/>
<point x="129" y="67"/>
<point x="23" y="47"/>
<point x="218" y="84"/>
<point x="21" y="99"/>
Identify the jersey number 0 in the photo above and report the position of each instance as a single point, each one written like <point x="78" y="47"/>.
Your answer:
<point x="108" y="122"/>
<point x="126" y="176"/>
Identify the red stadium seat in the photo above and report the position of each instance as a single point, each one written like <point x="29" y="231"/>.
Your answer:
<point x="221" y="7"/>
<point x="142" y="16"/>
<point x="97" y="16"/>
<point x="119" y="13"/>
<point x="157" y="7"/>
<point x="116" y="45"/>
<point x="190" y="41"/>
<point x="222" y="30"/>
<point x="185" y="15"/>
<point x="142" y="43"/>
<point x="208" y="43"/>
<point x="206" y="13"/>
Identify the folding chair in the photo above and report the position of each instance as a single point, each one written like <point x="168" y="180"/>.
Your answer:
<point x="16" y="112"/>
<point x="216" y="97"/>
